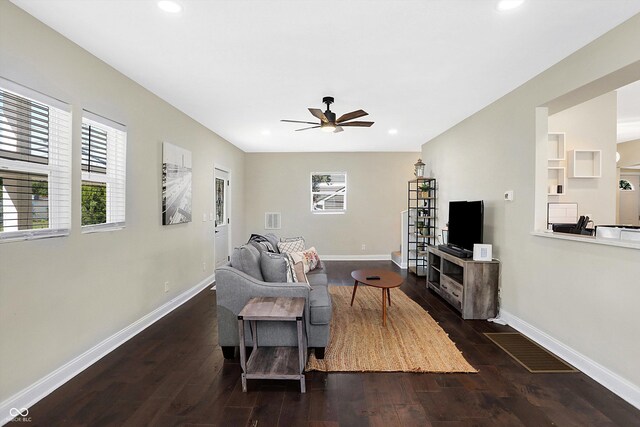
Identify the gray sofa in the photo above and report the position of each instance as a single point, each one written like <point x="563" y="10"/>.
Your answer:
<point x="242" y="279"/>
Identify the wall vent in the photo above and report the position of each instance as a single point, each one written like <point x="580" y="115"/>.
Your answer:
<point x="272" y="220"/>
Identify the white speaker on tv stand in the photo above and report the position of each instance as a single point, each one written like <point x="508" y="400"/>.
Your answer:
<point x="482" y="252"/>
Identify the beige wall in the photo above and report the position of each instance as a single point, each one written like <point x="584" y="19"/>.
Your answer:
<point x="61" y="296"/>
<point x="376" y="194"/>
<point x="591" y="125"/>
<point x="582" y="295"/>
<point x="629" y="153"/>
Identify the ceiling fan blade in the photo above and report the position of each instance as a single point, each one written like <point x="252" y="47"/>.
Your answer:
<point x="358" y="124"/>
<point x="312" y="127"/>
<point x="338" y="129"/>
<point x="352" y="115"/>
<point x="299" y="121"/>
<point x="319" y="114"/>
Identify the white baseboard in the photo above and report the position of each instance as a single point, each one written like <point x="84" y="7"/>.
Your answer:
<point x="614" y="382"/>
<point x="46" y="385"/>
<point x="356" y="257"/>
<point x="402" y="265"/>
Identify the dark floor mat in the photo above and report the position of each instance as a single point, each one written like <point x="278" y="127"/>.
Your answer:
<point x="529" y="354"/>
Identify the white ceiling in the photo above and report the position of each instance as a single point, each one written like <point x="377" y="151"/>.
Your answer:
<point x="239" y="66"/>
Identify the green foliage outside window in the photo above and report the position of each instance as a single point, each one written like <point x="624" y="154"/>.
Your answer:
<point x="94" y="203"/>
<point x="317" y="179"/>
<point x="39" y="204"/>
<point x="40" y="189"/>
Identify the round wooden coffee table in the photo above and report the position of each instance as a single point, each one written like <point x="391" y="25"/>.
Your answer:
<point x="387" y="280"/>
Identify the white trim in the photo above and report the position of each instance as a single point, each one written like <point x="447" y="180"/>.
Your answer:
<point x="587" y="239"/>
<point x="356" y="257"/>
<point x="311" y="193"/>
<point x="402" y="265"/>
<point x="102" y="120"/>
<point x="107" y="226"/>
<point x="46" y="385"/>
<point x="614" y="382"/>
<point x="229" y="173"/>
<point x="27" y="92"/>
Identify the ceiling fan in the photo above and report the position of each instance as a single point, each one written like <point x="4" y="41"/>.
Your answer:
<point x="328" y="122"/>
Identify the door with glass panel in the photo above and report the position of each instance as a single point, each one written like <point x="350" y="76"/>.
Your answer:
<point x="221" y="197"/>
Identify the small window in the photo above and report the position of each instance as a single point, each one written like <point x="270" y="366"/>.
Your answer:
<point x="626" y="185"/>
<point x="103" y="173"/>
<point x="329" y="192"/>
<point x="35" y="164"/>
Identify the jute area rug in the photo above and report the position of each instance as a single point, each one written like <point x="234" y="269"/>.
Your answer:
<point x="411" y="342"/>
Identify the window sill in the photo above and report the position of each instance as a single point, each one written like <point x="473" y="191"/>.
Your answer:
<point x="328" y="213"/>
<point x="587" y="239"/>
<point x="99" y="228"/>
<point x="18" y="236"/>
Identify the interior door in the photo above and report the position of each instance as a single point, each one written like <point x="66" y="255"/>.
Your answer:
<point x="221" y="197"/>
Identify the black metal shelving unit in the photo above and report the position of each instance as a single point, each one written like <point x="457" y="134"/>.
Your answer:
<point x="422" y="223"/>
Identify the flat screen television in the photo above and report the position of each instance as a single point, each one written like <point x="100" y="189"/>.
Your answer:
<point x="466" y="220"/>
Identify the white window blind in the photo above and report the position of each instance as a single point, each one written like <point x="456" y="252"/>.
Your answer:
<point x="329" y="192"/>
<point x="35" y="164"/>
<point x="104" y="147"/>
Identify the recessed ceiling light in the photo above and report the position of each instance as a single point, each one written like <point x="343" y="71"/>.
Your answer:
<point x="509" y="4"/>
<point x="169" y="6"/>
<point x="266" y="132"/>
<point x="392" y="131"/>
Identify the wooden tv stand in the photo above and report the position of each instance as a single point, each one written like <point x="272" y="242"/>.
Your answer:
<point x="471" y="287"/>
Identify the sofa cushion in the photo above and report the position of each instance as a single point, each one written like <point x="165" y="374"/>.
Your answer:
<point x="246" y="258"/>
<point x="275" y="268"/>
<point x="317" y="279"/>
<point x="320" y="269"/>
<point x="319" y="305"/>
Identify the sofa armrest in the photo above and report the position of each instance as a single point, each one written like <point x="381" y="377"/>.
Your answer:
<point x="235" y="288"/>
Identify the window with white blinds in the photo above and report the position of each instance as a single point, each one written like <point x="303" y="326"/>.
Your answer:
<point x="35" y="164"/>
<point x="329" y="192"/>
<point x="104" y="147"/>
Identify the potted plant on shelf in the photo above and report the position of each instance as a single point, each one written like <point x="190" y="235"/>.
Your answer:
<point x="424" y="188"/>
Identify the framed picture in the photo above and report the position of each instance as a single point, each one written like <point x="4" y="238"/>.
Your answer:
<point x="176" y="184"/>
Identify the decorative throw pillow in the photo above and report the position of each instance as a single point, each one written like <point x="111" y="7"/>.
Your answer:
<point x="312" y="258"/>
<point x="276" y="268"/>
<point x="298" y="269"/>
<point x="246" y="258"/>
<point x="291" y="244"/>
<point x="299" y="258"/>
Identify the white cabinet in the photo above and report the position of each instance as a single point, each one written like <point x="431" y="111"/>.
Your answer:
<point x="585" y="163"/>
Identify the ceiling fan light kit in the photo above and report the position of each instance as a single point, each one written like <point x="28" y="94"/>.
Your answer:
<point x="328" y="122"/>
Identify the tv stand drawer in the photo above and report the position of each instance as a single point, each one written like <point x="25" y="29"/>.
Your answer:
<point x="451" y="291"/>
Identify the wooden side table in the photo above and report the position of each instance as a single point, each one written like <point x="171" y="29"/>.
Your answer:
<point x="281" y="363"/>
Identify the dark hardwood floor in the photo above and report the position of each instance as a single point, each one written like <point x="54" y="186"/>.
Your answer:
<point x="173" y="374"/>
